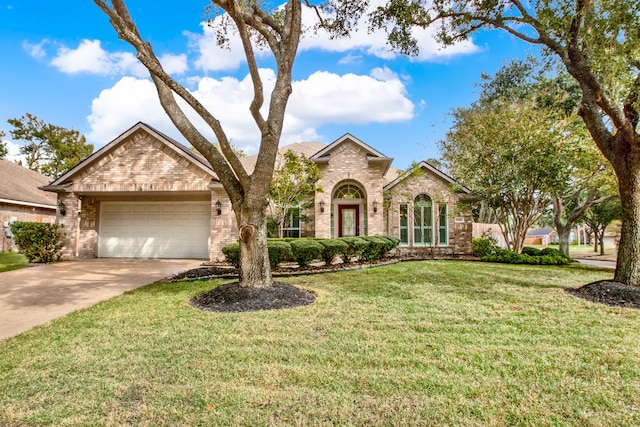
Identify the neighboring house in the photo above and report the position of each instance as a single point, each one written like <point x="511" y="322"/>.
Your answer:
<point x="146" y="195"/>
<point x="542" y="236"/>
<point x="22" y="200"/>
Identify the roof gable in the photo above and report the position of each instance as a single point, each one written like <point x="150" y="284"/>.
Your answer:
<point x="372" y="154"/>
<point x="144" y="139"/>
<point x="20" y="185"/>
<point x="431" y="169"/>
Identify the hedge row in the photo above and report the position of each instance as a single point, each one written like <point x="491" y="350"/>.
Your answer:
<point x="304" y="251"/>
<point x="532" y="256"/>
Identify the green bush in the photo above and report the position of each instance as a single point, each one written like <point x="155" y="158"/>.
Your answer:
<point x="528" y="250"/>
<point x="509" y="257"/>
<point x="38" y="241"/>
<point x="332" y="248"/>
<point x="485" y="245"/>
<point x="552" y="252"/>
<point x="306" y="250"/>
<point x="232" y="254"/>
<point x="279" y="251"/>
<point x="355" y="247"/>
<point x="376" y="248"/>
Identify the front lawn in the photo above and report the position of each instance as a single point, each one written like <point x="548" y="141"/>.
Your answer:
<point x="12" y="261"/>
<point x="423" y="343"/>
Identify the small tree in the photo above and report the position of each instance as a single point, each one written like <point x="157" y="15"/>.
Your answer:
<point x="599" y="216"/>
<point x="294" y="179"/>
<point x="597" y="41"/>
<point x="49" y="149"/>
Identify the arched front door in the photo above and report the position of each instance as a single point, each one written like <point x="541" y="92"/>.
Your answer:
<point x="349" y="203"/>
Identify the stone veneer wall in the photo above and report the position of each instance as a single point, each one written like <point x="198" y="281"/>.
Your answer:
<point x="459" y="222"/>
<point x="24" y="214"/>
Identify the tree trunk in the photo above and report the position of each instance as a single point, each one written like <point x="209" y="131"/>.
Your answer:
<point x="255" y="270"/>
<point x="628" y="266"/>
<point x="602" y="243"/>
<point x="563" y="236"/>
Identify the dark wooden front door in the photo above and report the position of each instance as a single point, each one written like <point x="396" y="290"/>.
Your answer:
<point x="348" y="220"/>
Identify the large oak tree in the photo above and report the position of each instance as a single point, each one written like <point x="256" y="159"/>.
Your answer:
<point x="598" y="41"/>
<point x="278" y="29"/>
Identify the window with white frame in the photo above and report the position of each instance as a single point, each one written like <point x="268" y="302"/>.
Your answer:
<point x="404" y="224"/>
<point x="291" y="224"/>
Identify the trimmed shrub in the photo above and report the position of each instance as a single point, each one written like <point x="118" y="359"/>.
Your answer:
<point x="232" y="254"/>
<point x="509" y="257"/>
<point x="376" y="248"/>
<point x="332" y="248"/>
<point x="279" y="251"/>
<point x="38" y="241"/>
<point x="528" y="250"/>
<point x="306" y="250"/>
<point x="354" y="249"/>
<point x="552" y="252"/>
<point x="485" y="245"/>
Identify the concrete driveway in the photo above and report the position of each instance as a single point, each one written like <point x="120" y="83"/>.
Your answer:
<point x="33" y="296"/>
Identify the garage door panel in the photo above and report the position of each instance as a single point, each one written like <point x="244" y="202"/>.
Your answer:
<point x="154" y="229"/>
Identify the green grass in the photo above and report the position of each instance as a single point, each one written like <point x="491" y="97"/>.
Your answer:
<point x="12" y="261"/>
<point x="423" y="343"/>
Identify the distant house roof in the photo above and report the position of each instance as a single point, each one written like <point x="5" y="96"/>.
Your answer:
<point x="540" y="232"/>
<point x="19" y="186"/>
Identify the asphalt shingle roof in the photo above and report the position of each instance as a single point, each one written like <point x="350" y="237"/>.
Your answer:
<point x="20" y="184"/>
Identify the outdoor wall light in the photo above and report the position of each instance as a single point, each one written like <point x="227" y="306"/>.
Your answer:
<point x="321" y="205"/>
<point x="219" y="207"/>
<point x="375" y="205"/>
<point x="61" y="208"/>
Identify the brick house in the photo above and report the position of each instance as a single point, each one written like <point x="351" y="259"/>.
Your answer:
<point x="22" y="200"/>
<point x="146" y="195"/>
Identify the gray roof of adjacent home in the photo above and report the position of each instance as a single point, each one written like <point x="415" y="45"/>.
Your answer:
<point x="19" y="186"/>
<point x="540" y="231"/>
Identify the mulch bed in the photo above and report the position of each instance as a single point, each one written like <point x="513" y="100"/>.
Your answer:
<point x="231" y="297"/>
<point x="610" y="293"/>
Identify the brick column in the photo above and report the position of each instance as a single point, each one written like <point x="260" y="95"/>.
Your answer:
<point x="70" y="221"/>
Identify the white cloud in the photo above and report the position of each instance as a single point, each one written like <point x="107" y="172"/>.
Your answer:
<point x="13" y="154"/>
<point x="321" y="99"/>
<point x="36" y="50"/>
<point x="174" y="64"/>
<point x="90" y="57"/>
<point x="375" y="43"/>
<point x="211" y="56"/>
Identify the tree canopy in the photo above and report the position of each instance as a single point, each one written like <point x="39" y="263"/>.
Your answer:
<point x="256" y="24"/>
<point x="597" y="41"/>
<point x="48" y="149"/>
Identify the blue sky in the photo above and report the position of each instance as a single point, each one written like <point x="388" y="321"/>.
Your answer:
<point x="63" y="62"/>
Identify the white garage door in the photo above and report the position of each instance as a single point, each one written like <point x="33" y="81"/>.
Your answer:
<point x="154" y="230"/>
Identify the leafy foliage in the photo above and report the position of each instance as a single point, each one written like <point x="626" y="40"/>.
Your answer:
<point x="279" y="251"/>
<point x="598" y="42"/>
<point x="531" y="256"/>
<point x="39" y="242"/>
<point x="332" y="248"/>
<point x="3" y="146"/>
<point x="49" y="149"/>
<point x="294" y="179"/>
<point x="485" y="245"/>
<point x="306" y="250"/>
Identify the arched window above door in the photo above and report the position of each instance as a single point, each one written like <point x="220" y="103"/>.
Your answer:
<point x="349" y="191"/>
